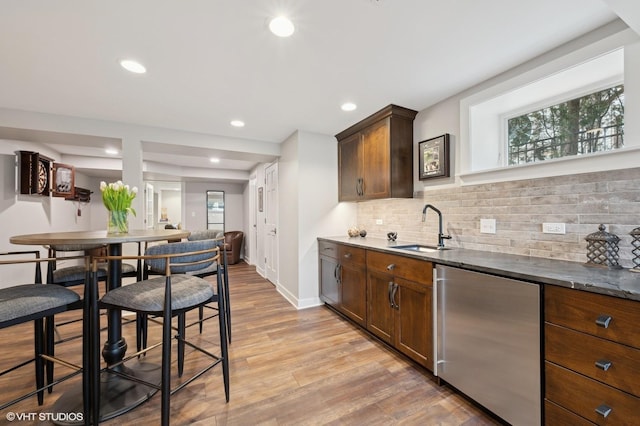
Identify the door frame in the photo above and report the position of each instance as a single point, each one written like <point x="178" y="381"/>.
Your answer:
<point x="271" y="238"/>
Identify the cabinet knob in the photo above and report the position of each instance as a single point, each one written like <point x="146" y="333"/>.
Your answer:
<point x="347" y="255"/>
<point x="603" y="364"/>
<point x="391" y="267"/>
<point x="603" y="321"/>
<point x="604" y="410"/>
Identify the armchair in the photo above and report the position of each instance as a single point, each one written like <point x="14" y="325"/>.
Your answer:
<point x="232" y="245"/>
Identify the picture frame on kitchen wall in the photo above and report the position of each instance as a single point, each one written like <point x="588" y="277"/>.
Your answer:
<point x="433" y="157"/>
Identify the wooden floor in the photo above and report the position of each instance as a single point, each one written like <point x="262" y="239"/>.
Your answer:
<point x="288" y="367"/>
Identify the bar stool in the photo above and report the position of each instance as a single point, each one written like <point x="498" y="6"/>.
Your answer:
<point x="171" y="295"/>
<point x="37" y="302"/>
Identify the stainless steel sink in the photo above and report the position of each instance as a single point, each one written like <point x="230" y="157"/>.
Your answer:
<point x="420" y="248"/>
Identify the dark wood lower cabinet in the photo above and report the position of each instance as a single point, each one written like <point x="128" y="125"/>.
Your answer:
<point x="393" y="304"/>
<point x="354" y="292"/>
<point x="556" y="415"/>
<point x="343" y="280"/>
<point x="380" y="314"/>
<point x="592" y="358"/>
<point x="400" y="309"/>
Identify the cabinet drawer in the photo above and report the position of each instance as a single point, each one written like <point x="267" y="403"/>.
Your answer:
<point x="348" y="255"/>
<point x="556" y="415"/>
<point x="327" y="248"/>
<point x="586" y="397"/>
<point x="612" y="363"/>
<point x="582" y="311"/>
<point x="403" y="267"/>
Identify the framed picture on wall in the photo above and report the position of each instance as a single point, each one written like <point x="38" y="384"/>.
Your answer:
<point x="260" y="199"/>
<point x="63" y="180"/>
<point x="433" y="157"/>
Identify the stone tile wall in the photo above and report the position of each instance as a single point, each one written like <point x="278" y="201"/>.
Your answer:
<point x="580" y="201"/>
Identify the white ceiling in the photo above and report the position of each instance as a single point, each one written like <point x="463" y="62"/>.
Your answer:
<point x="211" y="61"/>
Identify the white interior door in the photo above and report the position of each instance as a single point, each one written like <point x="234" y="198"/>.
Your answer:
<point x="149" y="220"/>
<point x="271" y="221"/>
<point x="253" y="225"/>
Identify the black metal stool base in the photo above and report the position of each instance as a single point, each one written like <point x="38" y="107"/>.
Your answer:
<point x="117" y="395"/>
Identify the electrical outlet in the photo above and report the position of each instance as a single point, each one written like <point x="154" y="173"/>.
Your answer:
<point x="378" y="221"/>
<point x="487" y="226"/>
<point x="553" y="228"/>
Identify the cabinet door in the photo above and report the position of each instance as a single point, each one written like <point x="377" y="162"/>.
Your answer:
<point x="376" y="169"/>
<point x="350" y="168"/>
<point x="329" y="290"/>
<point x="353" y="284"/>
<point x="413" y="322"/>
<point x="380" y="312"/>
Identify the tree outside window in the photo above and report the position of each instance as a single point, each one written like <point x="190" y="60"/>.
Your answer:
<point x="591" y="123"/>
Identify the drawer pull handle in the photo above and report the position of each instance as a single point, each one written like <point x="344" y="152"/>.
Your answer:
<point x="604" y="321"/>
<point x="604" y="410"/>
<point x="394" y="304"/>
<point x="347" y="255"/>
<point x="391" y="267"/>
<point x="603" y="364"/>
<point x="390" y="293"/>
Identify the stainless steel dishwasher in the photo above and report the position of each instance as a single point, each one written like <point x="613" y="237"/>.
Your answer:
<point x="488" y="341"/>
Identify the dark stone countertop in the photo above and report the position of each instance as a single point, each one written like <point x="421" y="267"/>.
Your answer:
<point x="620" y="283"/>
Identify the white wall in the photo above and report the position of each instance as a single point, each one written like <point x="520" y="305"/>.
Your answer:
<point x="320" y="214"/>
<point x="448" y="116"/>
<point x="260" y="216"/>
<point x="195" y="196"/>
<point x="249" y="221"/>
<point x="28" y="214"/>
<point x="308" y="208"/>
<point x="172" y="201"/>
<point x="288" y="228"/>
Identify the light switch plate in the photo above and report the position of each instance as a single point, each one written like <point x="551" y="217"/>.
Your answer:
<point x="378" y="221"/>
<point x="487" y="226"/>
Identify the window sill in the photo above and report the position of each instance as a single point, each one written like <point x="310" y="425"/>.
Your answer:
<point x="623" y="158"/>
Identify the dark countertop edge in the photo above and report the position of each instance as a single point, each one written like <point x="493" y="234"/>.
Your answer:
<point x="620" y="283"/>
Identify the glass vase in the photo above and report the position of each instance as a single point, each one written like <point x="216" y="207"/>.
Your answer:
<point x="118" y="222"/>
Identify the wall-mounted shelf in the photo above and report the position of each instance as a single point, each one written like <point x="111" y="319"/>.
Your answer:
<point x="82" y="195"/>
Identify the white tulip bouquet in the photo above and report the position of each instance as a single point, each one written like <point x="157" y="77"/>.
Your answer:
<point x="117" y="198"/>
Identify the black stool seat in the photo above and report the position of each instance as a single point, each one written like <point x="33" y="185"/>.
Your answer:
<point x="23" y="301"/>
<point x="148" y="296"/>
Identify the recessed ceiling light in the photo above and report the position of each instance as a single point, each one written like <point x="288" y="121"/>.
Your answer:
<point x="237" y="123"/>
<point x="111" y="151"/>
<point x="214" y="160"/>
<point x="281" y="26"/>
<point x="133" y="66"/>
<point x="348" y="106"/>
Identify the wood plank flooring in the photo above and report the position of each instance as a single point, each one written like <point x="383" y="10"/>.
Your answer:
<point x="288" y="367"/>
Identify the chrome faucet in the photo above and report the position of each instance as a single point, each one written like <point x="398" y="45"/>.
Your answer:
<point x="441" y="236"/>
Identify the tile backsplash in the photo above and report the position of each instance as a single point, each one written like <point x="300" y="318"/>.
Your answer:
<point x="581" y="201"/>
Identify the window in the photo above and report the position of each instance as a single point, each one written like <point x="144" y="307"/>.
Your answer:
<point x="583" y="125"/>
<point x="547" y="118"/>
<point x="215" y="210"/>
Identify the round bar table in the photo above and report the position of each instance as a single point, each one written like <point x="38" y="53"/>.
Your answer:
<point x="117" y="395"/>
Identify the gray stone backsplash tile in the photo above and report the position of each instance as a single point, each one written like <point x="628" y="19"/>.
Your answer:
<point x="581" y="201"/>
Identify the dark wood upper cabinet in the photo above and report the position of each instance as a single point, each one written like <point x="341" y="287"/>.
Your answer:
<point x="375" y="156"/>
